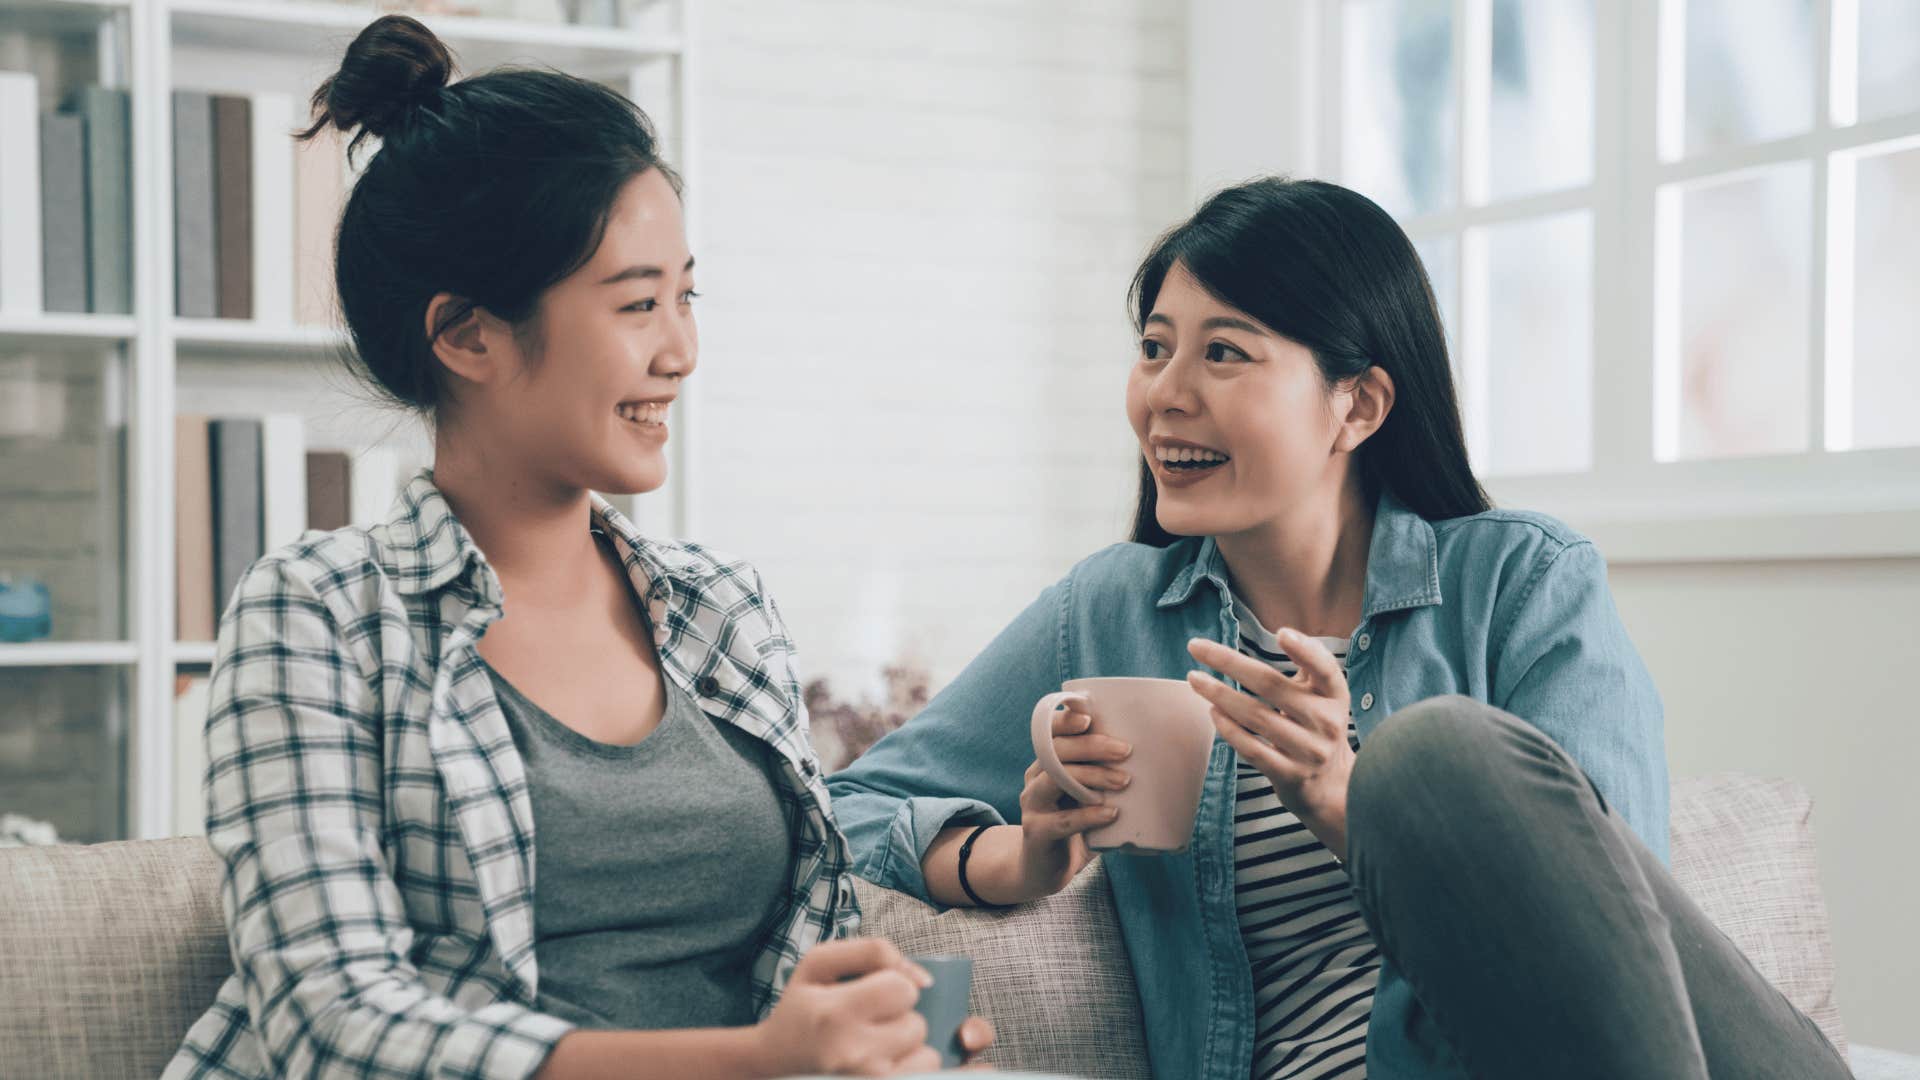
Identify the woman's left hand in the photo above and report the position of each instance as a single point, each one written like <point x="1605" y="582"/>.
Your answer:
<point x="976" y="1035"/>
<point x="1292" y="728"/>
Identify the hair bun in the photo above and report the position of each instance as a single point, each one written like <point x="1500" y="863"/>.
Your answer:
<point x="390" y="69"/>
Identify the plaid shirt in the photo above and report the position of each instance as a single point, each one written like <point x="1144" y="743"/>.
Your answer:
<point x="365" y="794"/>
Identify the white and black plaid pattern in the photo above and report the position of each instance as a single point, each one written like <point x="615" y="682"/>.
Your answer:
<point x="364" y="792"/>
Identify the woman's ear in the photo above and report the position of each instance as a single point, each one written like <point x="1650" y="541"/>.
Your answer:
<point x="1371" y="400"/>
<point x="456" y="328"/>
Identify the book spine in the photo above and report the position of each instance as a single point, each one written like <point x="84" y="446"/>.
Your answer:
<point x="283" y="452"/>
<point x="320" y="191"/>
<point x="329" y="491"/>
<point x="63" y="237"/>
<point x="21" y="287"/>
<point x="194" y="282"/>
<point x="236" y="504"/>
<point x="273" y="209"/>
<point x="109" y="200"/>
<point x="233" y="205"/>
<point x="193" y="531"/>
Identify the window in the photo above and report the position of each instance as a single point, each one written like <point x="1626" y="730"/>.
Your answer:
<point x="1676" y="242"/>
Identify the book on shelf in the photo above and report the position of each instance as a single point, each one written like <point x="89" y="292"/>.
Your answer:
<point x="63" y="208"/>
<point x="248" y="485"/>
<point x="194" y="611"/>
<point x="105" y="113"/>
<point x="273" y="208"/>
<point x="20" y="282"/>
<point x="233" y="205"/>
<point x="194" y="282"/>
<point x="237" y="524"/>
<point x="320" y="191"/>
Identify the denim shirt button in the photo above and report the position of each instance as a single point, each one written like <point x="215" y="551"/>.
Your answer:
<point x="1365" y="640"/>
<point x="1366" y="701"/>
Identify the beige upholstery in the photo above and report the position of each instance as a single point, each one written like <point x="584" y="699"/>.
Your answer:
<point x="109" y="952"/>
<point x="1743" y="850"/>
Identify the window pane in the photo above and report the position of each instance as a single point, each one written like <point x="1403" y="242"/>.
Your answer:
<point x="63" y="750"/>
<point x="1889" y="57"/>
<point x="62" y="497"/>
<point x="1745" y="251"/>
<point x="1538" y="296"/>
<point x="1886" y="380"/>
<point x="1540" y="127"/>
<point x="1401" y="114"/>
<point x="1749" y="71"/>
<point x="1441" y="256"/>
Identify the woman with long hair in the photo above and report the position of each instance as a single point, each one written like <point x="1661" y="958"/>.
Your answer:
<point x="503" y="787"/>
<point x="1432" y="834"/>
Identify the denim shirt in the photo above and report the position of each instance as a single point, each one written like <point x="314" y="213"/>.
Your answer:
<point x="1506" y="607"/>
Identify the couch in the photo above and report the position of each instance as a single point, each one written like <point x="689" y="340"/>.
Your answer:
<point x="109" y="951"/>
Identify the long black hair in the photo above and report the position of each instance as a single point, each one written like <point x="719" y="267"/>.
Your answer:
<point x="1324" y="266"/>
<point x="491" y="189"/>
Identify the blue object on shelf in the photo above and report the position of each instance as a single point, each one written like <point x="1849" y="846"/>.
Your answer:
<point x="26" y="609"/>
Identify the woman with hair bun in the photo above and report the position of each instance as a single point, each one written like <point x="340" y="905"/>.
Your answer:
<point x="502" y="787"/>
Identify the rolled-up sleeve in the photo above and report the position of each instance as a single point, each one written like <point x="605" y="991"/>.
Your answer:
<point x="316" y="925"/>
<point x="1566" y="665"/>
<point x="963" y="760"/>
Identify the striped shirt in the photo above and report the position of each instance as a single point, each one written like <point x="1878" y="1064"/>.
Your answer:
<point x="1314" y="962"/>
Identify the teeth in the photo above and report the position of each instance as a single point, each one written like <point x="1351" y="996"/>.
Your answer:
<point x="651" y="412"/>
<point x="1177" y="454"/>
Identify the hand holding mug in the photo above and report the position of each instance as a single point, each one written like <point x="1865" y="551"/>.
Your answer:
<point x="1053" y="824"/>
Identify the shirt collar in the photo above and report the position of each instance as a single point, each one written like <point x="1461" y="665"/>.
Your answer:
<point x="431" y="549"/>
<point x="1403" y="564"/>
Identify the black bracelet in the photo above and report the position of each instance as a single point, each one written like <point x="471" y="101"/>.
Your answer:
<point x="966" y="849"/>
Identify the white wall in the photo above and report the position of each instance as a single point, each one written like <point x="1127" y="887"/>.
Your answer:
<point x="917" y="224"/>
<point x="1806" y="670"/>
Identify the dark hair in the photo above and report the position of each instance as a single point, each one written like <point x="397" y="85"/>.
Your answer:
<point x="492" y="189"/>
<point x="1325" y="267"/>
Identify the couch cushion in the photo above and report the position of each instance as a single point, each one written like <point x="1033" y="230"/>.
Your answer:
<point x="1743" y="849"/>
<point x="108" y="953"/>
<point x="1052" y="976"/>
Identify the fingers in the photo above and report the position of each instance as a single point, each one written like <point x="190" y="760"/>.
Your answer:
<point x="1072" y="719"/>
<point x="1257" y="676"/>
<point x="1091" y="747"/>
<point x="1289" y="702"/>
<point x="1260" y="755"/>
<point x="1043" y="795"/>
<point x="881" y="995"/>
<point x="832" y="961"/>
<point x="976" y="1035"/>
<point x="1316" y="661"/>
<point x="1061" y="824"/>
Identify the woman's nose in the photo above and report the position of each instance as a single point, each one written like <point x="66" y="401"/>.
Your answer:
<point x="1172" y="388"/>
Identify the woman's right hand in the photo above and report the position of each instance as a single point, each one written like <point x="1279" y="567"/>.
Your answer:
<point x="848" y="1011"/>
<point x="1053" y="845"/>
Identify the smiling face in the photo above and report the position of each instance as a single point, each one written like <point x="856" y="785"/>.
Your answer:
<point x="577" y="396"/>
<point x="1235" y="421"/>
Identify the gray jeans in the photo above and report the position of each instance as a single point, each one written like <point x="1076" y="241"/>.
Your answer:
<point x="1537" y="932"/>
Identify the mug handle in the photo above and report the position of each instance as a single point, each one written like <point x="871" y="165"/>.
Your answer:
<point x="1048" y="757"/>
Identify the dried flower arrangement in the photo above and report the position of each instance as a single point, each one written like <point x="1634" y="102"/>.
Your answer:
<point x="843" y="730"/>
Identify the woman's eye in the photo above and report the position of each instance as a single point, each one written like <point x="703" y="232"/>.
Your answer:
<point x="1152" y="350"/>
<point x="1221" y="352"/>
<point x="642" y="305"/>
<point x="689" y="296"/>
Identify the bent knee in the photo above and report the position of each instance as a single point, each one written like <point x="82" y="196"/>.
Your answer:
<point x="1438" y="745"/>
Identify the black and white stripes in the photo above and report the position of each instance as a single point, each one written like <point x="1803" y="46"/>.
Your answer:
<point x="1314" y="963"/>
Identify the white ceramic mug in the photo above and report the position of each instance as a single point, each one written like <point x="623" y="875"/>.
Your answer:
<point x="1172" y="735"/>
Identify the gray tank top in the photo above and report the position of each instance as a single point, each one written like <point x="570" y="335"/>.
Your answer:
<point x="658" y="867"/>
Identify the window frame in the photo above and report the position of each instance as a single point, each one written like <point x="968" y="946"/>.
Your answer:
<point x="1821" y="502"/>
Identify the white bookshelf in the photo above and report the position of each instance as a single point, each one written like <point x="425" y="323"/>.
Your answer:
<point x="161" y="364"/>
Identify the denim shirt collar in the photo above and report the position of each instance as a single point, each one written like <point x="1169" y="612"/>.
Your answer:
<point x="1403" y="564"/>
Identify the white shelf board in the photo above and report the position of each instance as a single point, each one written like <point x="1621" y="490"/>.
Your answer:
<point x="308" y="27"/>
<point x="35" y="328"/>
<point x="58" y="16"/>
<point x="193" y="653"/>
<point x="239" y="335"/>
<point x="68" y="653"/>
